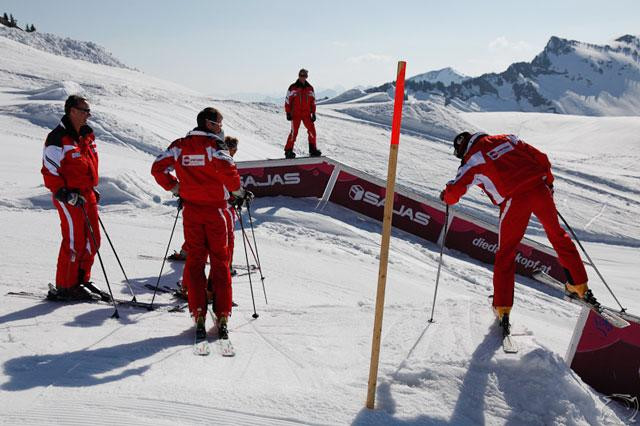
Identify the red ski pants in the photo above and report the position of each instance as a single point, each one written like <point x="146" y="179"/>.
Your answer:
<point x="77" y="250"/>
<point x="206" y="234"/>
<point x="514" y="218"/>
<point x="295" y="125"/>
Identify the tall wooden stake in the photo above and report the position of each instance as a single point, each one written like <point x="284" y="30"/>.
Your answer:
<point x="386" y="234"/>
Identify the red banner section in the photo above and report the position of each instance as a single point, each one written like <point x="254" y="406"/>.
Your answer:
<point x="367" y="198"/>
<point x="608" y="358"/>
<point x="276" y="177"/>
<point x="481" y="243"/>
<point x="309" y="177"/>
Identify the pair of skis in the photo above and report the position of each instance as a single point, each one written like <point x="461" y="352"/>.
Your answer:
<point x="202" y="347"/>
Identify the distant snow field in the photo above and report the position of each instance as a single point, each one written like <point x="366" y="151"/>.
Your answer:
<point x="305" y="360"/>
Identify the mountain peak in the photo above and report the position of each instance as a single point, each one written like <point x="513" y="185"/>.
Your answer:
<point x="559" y="46"/>
<point x="629" y="39"/>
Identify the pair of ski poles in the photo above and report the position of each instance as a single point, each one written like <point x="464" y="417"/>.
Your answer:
<point x="444" y="237"/>
<point x="95" y="244"/>
<point x="245" y="240"/>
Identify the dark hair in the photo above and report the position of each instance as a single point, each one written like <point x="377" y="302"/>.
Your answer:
<point x="72" y="102"/>
<point x="208" y="113"/>
<point x="231" y="142"/>
<point x="303" y="71"/>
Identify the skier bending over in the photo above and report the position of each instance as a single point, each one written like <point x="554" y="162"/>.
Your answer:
<point x="204" y="177"/>
<point x="516" y="177"/>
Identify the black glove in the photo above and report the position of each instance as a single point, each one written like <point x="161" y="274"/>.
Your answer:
<point x="313" y="117"/>
<point x="241" y="198"/>
<point x="288" y="116"/>
<point x="179" y="202"/>
<point x="72" y="197"/>
<point x="97" y="194"/>
<point x="442" y="195"/>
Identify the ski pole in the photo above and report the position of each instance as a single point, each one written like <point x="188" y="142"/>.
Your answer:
<point x="164" y="259"/>
<point x="591" y="261"/>
<point x="257" y="255"/>
<point x="118" y="259"/>
<point x="95" y="244"/>
<point x="444" y="237"/>
<point x="246" y="256"/>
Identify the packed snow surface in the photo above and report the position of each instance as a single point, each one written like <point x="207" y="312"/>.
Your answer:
<point x="305" y="359"/>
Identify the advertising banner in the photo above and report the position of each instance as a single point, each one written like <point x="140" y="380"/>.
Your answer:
<point x="481" y="243"/>
<point x="367" y="198"/>
<point x="296" y="179"/>
<point x="608" y="358"/>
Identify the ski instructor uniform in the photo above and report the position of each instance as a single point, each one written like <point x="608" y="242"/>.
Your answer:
<point x="300" y="106"/>
<point x="516" y="177"/>
<point x="70" y="171"/>
<point x="204" y="178"/>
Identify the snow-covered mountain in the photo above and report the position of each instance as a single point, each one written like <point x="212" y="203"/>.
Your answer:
<point x="567" y="77"/>
<point x="84" y="50"/>
<point x="305" y="359"/>
<point x="445" y="76"/>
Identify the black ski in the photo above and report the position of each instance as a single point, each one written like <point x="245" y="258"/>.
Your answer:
<point x="98" y="300"/>
<point x="589" y="301"/>
<point x="509" y="346"/>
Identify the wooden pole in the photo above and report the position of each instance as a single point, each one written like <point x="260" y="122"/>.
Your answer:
<point x="386" y="234"/>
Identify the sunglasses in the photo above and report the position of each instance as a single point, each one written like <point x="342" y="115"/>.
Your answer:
<point x="87" y="110"/>
<point x="303" y="75"/>
<point x="215" y="123"/>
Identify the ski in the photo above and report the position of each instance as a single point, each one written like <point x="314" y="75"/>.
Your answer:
<point x="119" y="302"/>
<point x="589" y="301"/>
<point x="201" y="346"/>
<point x="226" y="348"/>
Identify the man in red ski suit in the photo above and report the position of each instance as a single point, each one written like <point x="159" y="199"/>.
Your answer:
<point x="204" y="177"/>
<point x="516" y="177"/>
<point x="300" y="106"/>
<point x="70" y="171"/>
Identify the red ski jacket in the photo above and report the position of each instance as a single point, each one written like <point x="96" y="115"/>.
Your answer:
<point x="70" y="160"/>
<point x="502" y="165"/>
<point x="206" y="174"/>
<point x="300" y="100"/>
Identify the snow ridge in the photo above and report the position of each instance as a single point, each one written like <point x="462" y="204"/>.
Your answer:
<point x="70" y="48"/>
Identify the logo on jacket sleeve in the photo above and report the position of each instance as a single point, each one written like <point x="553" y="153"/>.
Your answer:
<point x="193" y="160"/>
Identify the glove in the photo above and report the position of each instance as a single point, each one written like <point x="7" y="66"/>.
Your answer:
<point x="442" y="195"/>
<point x="85" y="130"/>
<point x="70" y="197"/>
<point x="313" y="117"/>
<point x="288" y="116"/>
<point x="242" y="197"/>
<point x="97" y="194"/>
<point x="176" y="190"/>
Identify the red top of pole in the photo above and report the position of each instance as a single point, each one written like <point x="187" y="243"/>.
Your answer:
<point x="397" y="105"/>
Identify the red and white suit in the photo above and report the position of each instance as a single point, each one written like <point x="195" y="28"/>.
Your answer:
<point x="71" y="161"/>
<point x="517" y="177"/>
<point x="300" y="102"/>
<point x="206" y="176"/>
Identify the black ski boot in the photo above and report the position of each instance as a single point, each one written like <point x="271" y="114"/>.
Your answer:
<point x="223" y="333"/>
<point x="75" y="293"/>
<point x="201" y="331"/>
<point x="505" y="325"/>
<point x="314" y="152"/>
<point x="288" y="153"/>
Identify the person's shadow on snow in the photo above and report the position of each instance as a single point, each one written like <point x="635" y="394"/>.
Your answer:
<point x="534" y="387"/>
<point x="33" y="311"/>
<point x="86" y="367"/>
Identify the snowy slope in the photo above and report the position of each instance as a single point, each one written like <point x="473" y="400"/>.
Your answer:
<point x="305" y="359"/>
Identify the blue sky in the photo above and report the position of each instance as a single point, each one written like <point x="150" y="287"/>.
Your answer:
<point x="224" y="47"/>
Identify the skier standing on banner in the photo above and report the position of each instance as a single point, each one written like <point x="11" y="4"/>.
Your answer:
<point x="70" y="171"/>
<point x="300" y="106"/>
<point x="516" y="177"/>
<point x="204" y="177"/>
